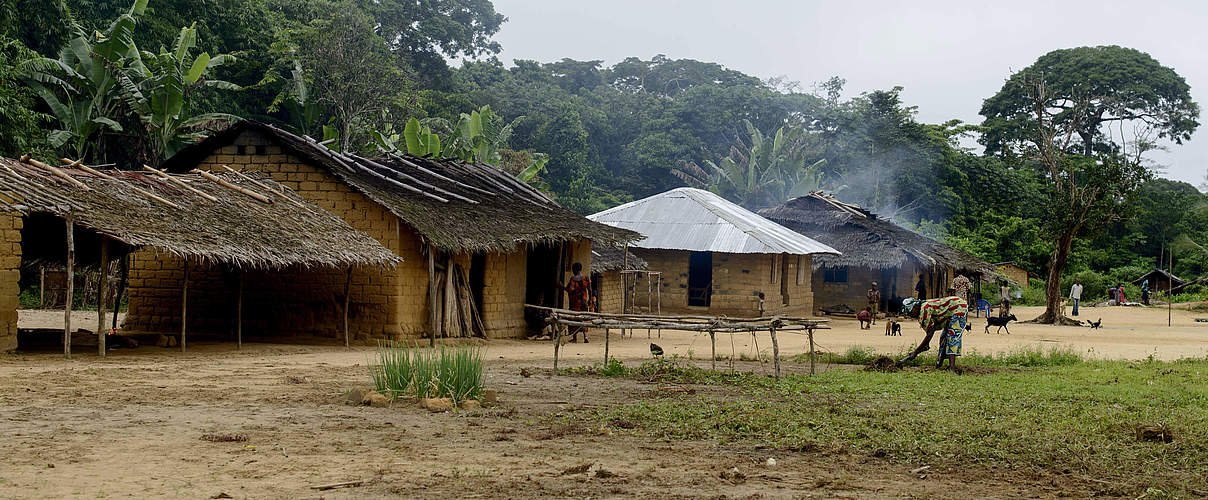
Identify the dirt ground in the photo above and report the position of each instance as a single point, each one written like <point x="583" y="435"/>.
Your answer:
<point x="132" y="425"/>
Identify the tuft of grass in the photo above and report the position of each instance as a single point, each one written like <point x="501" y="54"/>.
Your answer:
<point x="454" y="372"/>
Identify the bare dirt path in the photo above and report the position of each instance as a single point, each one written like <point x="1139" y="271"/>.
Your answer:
<point x="131" y="425"/>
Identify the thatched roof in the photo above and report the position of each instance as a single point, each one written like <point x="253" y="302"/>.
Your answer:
<point x="700" y="221"/>
<point x="455" y="206"/>
<point x="865" y="239"/>
<point x="236" y="229"/>
<point x="605" y="258"/>
<point x="1154" y="274"/>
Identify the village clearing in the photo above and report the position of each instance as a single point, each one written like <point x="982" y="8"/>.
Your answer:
<point x="270" y="421"/>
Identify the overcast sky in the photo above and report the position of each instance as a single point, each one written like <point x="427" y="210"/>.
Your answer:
<point x="949" y="56"/>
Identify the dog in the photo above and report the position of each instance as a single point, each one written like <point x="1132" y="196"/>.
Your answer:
<point x="655" y="349"/>
<point x="1000" y="323"/>
<point x="892" y="327"/>
<point x="1095" y="324"/>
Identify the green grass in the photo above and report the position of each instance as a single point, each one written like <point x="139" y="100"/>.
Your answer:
<point x="1026" y="356"/>
<point x="454" y="372"/>
<point x="1051" y="412"/>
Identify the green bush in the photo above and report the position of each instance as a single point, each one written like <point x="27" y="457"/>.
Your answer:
<point x="453" y="372"/>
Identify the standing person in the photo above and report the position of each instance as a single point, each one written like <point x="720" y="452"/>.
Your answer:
<point x="963" y="286"/>
<point x="1120" y="294"/>
<point x="920" y="289"/>
<point x="874" y="301"/>
<point x="579" y="291"/>
<point x="945" y="314"/>
<point x="1076" y="295"/>
<point x="1145" y="292"/>
<point x="1111" y="295"/>
<point x="1005" y="292"/>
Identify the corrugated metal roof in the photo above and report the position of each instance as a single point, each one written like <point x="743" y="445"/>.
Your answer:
<point x="697" y="220"/>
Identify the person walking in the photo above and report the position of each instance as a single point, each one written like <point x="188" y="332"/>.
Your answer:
<point x="1145" y="292"/>
<point x="874" y="301"/>
<point x="1076" y="295"/>
<point x="578" y="289"/>
<point x="1120" y="294"/>
<point x="920" y="289"/>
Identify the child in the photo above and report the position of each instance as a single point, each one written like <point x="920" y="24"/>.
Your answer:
<point x="865" y="318"/>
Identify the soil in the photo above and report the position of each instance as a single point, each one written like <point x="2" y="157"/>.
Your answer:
<point x="270" y="421"/>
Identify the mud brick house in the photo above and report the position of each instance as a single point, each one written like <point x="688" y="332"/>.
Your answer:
<point x="873" y="249"/>
<point x="231" y="229"/>
<point x="476" y="244"/>
<point x="1013" y="272"/>
<point x="607" y="262"/>
<point x="717" y="257"/>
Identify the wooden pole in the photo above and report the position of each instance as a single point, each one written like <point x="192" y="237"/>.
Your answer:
<point x="810" y="332"/>
<point x="432" y="316"/>
<point x="70" y="286"/>
<point x="122" y="282"/>
<point x="606" y="332"/>
<point x="713" y="343"/>
<point x="649" y="284"/>
<point x="184" y="306"/>
<point x="239" y="314"/>
<point x="41" y="286"/>
<point x="347" y="302"/>
<point x="100" y="297"/>
<point x="775" y="351"/>
<point x="1170" y="288"/>
<point x="181" y="184"/>
<point x="213" y="178"/>
<point x="732" y="353"/>
<point x="557" y="342"/>
<point x="659" y="292"/>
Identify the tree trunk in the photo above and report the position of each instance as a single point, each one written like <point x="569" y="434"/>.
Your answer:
<point x="1054" y="313"/>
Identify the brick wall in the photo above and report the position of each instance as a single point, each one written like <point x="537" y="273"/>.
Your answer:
<point x="899" y="282"/>
<point x="503" y="293"/>
<point x="10" y="274"/>
<point x="737" y="280"/>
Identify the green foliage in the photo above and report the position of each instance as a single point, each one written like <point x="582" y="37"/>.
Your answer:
<point x="453" y="372"/>
<point x="23" y="126"/>
<point x="420" y="140"/>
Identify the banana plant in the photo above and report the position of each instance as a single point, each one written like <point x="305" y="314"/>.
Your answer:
<point x="79" y="86"/>
<point x="420" y="140"/>
<point x="158" y="87"/>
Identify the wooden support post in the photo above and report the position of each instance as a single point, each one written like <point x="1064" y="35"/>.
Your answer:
<point x="713" y="349"/>
<point x="732" y="353"/>
<point x="41" y="286"/>
<point x="347" y="302"/>
<point x="184" y="306"/>
<point x="606" y="332"/>
<point x="102" y="287"/>
<point x="658" y="291"/>
<point x="122" y="281"/>
<point x="433" y="318"/>
<point x="557" y="341"/>
<point x="239" y="314"/>
<point x="70" y="286"/>
<point x="810" y="332"/>
<point x="775" y="350"/>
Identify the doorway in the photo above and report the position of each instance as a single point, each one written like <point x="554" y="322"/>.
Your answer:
<point x="700" y="278"/>
<point x="541" y="282"/>
<point x="478" y="273"/>
<point x="784" y="279"/>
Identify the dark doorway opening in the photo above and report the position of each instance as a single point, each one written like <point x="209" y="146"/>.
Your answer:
<point x="478" y="273"/>
<point x="541" y="284"/>
<point x="784" y="279"/>
<point x="700" y="278"/>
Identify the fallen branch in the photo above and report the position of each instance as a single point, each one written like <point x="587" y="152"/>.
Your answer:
<point x="332" y="486"/>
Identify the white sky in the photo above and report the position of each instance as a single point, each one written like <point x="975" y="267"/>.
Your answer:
<point x="949" y="56"/>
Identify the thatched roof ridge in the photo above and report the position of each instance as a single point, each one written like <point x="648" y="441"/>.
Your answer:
<point x="455" y="206"/>
<point x="237" y="229"/>
<point x="1177" y="281"/>
<point x="605" y="258"/>
<point x="865" y="239"/>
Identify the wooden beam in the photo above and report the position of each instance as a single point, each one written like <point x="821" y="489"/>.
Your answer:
<point x="101" y="296"/>
<point x="213" y="178"/>
<point x="181" y="184"/>
<point x="105" y="176"/>
<point x="432" y="316"/>
<point x="55" y="172"/>
<point x="80" y="165"/>
<point x="70" y="286"/>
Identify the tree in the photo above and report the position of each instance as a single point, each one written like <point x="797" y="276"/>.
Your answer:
<point x="426" y="33"/>
<point x="79" y="86"/>
<point x="1093" y="88"/>
<point x="22" y="125"/>
<point x="159" y="88"/>
<point x="351" y="71"/>
<point x="1085" y="191"/>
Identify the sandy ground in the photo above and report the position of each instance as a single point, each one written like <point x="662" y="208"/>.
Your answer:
<point x="131" y="425"/>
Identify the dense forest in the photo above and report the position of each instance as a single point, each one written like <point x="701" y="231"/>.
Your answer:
<point x="131" y="82"/>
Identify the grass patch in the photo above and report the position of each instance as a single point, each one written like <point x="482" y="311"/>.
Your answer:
<point x="1061" y="414"/>
<point x="454" y="372"/>
<point x="1027" y="356"/>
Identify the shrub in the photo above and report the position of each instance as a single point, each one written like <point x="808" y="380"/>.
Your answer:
<point x="453" y="372"/>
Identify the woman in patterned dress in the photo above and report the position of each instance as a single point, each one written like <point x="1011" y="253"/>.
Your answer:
<point x="945" y="314"/>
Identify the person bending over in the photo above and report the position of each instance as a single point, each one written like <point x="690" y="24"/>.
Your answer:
<point x="946" y="315"/>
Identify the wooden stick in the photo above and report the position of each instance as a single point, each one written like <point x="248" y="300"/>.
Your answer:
<point x="80" y="165"/>
<point x="432" y="315"/>
<point x="345" y="484"/>
<point x="261" y="185"/>
<point x="179" y="183"/>
<point x="713" y="343"/>
<point x="812" y="355"/>
<point x="732" y="353"/>
<point x="213" y="178"/>
<point x="100" y="297"/>
<point x="239" y="314"/>
<point x="184" y="304"/>
<point x="70" y="286"/>
<point x="347" y="302"/>
<point x="775" y="351"/>
<point x="606" y="332"/>
<point x="557" y="344"/>
<point x="55" y="172"/>
<point x="41" y="286"/>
